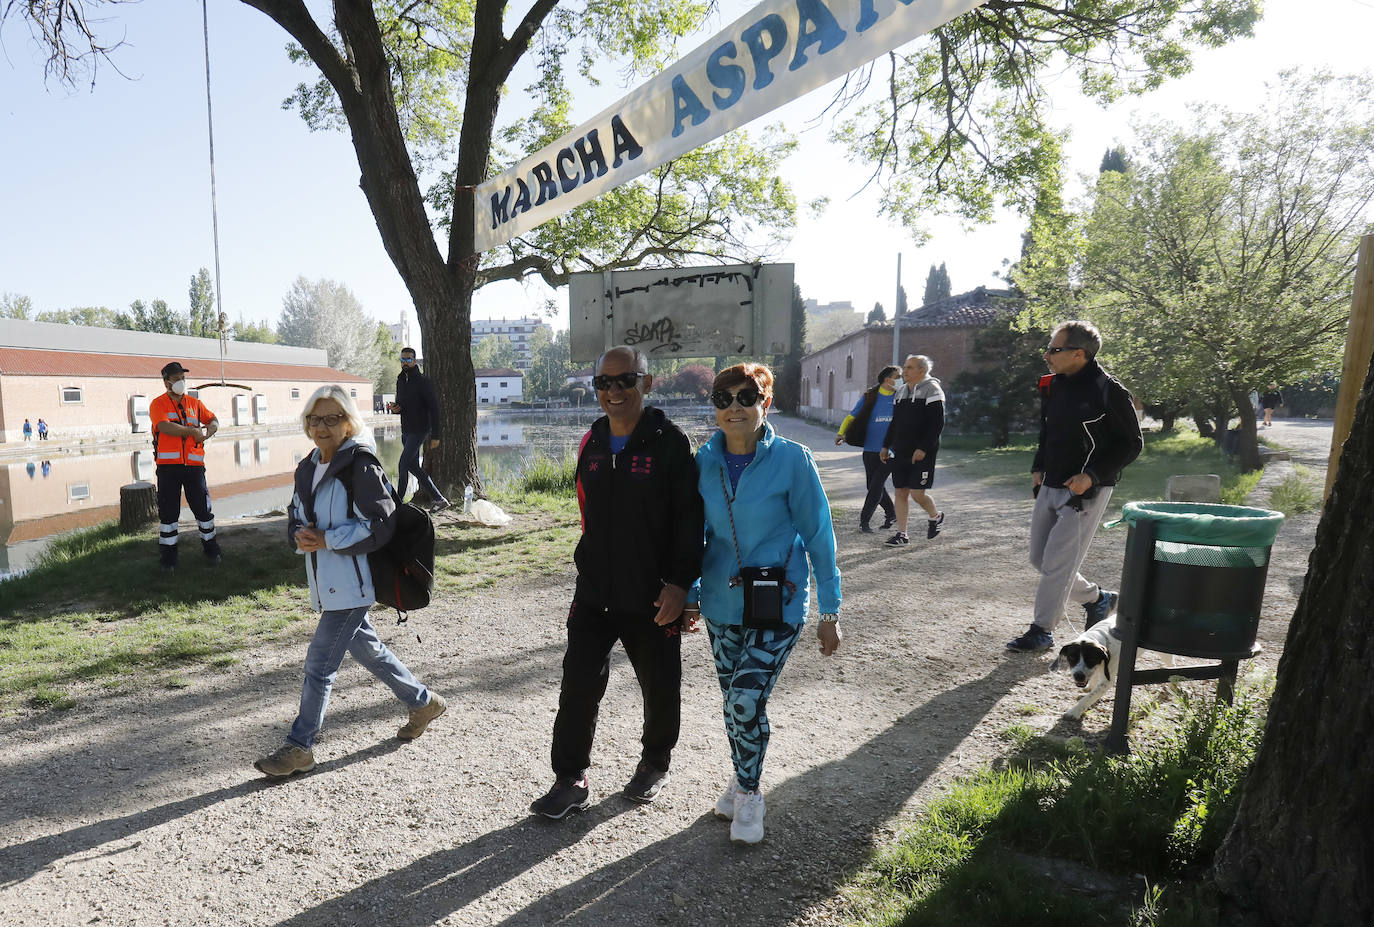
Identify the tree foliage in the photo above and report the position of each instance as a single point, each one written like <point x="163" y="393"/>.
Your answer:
<point x="202" y="319"/>
<point x="493" y="351"/>
<point x="15" y="306"/>
<point x="1221" y="259"/>
<point x="877" y="314"/>
<point x="152" y="317"/>
<point x="326" y="314"/>
<point x="550" y="364"/>
<point x="693" y="380"/>
<point x="260" y="332"/>
<point x="1114" y="160"/>
<point x="962" y="125"/>
<point x="999" y="396"/>
<point x="937" y="285"/>
<point x="94" y="316"/>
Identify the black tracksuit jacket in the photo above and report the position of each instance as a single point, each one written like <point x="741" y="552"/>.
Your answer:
<point x="419" y="404"/>
<point x="642" y="522"/>
<point x="1087" y="425"/>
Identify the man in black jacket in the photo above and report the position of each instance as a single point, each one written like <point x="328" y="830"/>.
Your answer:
<point x="419" y="408"/>
<point x="1088" y="434"/>
<point x="640" y="552"/>
<point x="912" y="441"/>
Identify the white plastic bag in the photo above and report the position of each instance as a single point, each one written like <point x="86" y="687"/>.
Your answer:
<point x="489" y="513"/>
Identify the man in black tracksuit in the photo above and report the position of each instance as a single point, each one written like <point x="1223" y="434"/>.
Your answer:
<point x="1088" y="434"/>
<point x="419" y="408"/>
<point x="642" y="532"/>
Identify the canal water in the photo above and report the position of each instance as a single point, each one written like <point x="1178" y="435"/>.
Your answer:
<point x="43" y="497"/>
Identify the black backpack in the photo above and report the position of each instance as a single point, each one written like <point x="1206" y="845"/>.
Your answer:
<point x="402" y="570"/>
<point x="857" y="431"/>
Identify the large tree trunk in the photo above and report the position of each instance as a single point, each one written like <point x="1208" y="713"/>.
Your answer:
<point x="1302" y="848"/>
<point x="1247" y="444"/>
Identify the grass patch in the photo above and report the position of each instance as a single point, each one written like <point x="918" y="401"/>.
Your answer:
<point x="1298" y="493"/>
<point x="95" y="611"/>
<point x="548" y="475"/>
<point x="1177" y="453"/>
<point x="1160" y="813"/>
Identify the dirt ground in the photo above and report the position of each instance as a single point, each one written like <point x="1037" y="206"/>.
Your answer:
<point x="144" y="809"/>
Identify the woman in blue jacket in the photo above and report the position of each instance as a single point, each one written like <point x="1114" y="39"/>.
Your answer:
<point x="335" y="538"/>
<point x="872" y="414"/>
<point x="765" y="507"/>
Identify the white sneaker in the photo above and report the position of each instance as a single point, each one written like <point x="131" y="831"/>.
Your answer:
<point x="725" y="805"/>
<point x="747" y="824"/>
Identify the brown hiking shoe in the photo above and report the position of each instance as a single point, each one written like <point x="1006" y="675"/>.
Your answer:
<point x="288" y="759"/>
<point x="420" y="717"/>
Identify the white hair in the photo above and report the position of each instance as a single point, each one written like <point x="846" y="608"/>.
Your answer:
<point x="360" y="432"/>
<point x="924" y="362"/>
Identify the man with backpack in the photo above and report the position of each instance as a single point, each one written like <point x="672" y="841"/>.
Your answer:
<point x="1088" y="434"/>
<point x="641" y="548"/>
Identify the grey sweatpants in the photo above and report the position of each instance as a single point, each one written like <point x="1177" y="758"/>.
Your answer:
<point x="1059" y="540"/>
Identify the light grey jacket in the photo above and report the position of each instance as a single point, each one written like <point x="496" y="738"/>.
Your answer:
<point x="339" y="576"/>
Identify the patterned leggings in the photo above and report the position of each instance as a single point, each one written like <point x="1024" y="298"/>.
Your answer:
<point x="748" y="663"/>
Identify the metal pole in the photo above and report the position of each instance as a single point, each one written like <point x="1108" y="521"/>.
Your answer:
<point x="897" y="319"/>
<point x="210" y="122"/>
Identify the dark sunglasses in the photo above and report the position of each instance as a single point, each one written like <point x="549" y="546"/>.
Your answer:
<point x="1064" y="348"/>
<point x="604" y="381"/>
<point x="722" y="398"/>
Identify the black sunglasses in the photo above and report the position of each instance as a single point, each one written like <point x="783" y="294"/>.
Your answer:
<point x="1064" y="348"/>
<point x="627" y="380"/>
<point x="722" y="398"/>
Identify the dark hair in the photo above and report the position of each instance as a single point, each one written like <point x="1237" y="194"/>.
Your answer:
<point x="1080" y="334"/>
<point x="888" y="371"/>
<point x="411" y="350"/>
<point x="757" y="374"/>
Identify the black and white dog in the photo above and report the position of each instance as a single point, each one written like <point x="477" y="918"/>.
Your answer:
<point x="1091" y="659"/>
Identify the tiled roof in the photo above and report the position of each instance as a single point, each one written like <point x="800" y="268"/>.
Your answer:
<point x="973" y="309"/>
<point x="28" y="362"/>
<point x="496" y="372"/>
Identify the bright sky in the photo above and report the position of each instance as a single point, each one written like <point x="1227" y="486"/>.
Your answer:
<point x="105" y="193"/>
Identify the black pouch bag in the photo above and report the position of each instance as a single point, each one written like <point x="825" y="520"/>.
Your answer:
<point x="763" y="596"/>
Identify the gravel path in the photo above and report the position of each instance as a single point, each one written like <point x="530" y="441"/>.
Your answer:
<point x="143" y="808"/>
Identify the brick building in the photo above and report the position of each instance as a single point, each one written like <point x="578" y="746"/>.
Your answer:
<point x="97" y="382"/>
<point x="835" y="376"/>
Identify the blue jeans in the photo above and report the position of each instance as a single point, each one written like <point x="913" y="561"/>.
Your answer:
<point x="410" y="463"/>
<point x="347" y="631"/>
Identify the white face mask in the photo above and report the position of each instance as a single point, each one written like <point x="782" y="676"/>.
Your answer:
<point x="179" y="387"/>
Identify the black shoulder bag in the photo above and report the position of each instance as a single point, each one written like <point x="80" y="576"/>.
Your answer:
<point x="857" y="431"/>
<point x="763" y="586"/>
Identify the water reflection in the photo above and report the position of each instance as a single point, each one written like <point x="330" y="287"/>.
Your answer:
<point x="42" y="498"/>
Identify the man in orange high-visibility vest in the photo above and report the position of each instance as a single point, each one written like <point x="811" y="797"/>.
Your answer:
<point x="181" y="426"/>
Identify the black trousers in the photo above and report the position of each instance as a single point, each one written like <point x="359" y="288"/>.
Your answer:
<point x="655" y="653"/>
<point x="172" y="480"/>
<point x="875" y="471"/>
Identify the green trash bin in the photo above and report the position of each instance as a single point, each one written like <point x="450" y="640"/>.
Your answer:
<point x="1193" y="579"/>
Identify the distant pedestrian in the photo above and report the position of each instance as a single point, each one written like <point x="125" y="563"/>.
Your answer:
<point x="28" y="430"/>
<point x="181" y="426"/>
<point x="1270" y="401"/>
<point x="42" y="430"/>
<point x="912" y="441"/>
<point x="419" y="408"/>
<point x="335" y="530"/>
<point x="865" y="427"/>
<point x="1088" y="434"/>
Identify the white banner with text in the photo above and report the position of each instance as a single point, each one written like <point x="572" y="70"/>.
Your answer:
<point x="777" y="52"/>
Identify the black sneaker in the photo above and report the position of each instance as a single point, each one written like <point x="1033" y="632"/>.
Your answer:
<point x="898" y="540"/>
<point x="439" y="506"/>
<point x="889" y="521"/>
<point x="1099" y="610"/>
<point x="566" y="796"/>
<point x="1035" y="640"/>
<point x="933" y="525"/>
<point x="868" y="529"/>
<point x="645" y="785"/>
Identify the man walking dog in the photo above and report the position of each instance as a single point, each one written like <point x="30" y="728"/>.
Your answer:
<point x="1088" y="434"/>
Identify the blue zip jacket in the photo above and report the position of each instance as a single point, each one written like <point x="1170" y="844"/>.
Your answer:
<point x="780" y="508"/>
<point x="339" y="576"/>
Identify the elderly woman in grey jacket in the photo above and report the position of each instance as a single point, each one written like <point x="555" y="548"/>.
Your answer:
<point x="335" y="539"/>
